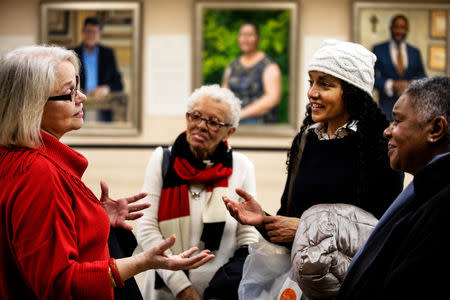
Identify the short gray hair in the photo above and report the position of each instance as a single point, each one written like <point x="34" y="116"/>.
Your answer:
<point x="430" y="98"/>
<point x="220" y="94"/>
<point x="27" y="79"/>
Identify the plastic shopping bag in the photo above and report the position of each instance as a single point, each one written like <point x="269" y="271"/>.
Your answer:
<point x="290" y="289"/>
<point x="266" y="274"/>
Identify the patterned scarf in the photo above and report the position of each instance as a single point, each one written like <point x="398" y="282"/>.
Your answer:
<point x="184" y="168"/>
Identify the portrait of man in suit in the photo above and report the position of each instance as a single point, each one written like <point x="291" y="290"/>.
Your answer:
<point x="398" y="63"/>
<point x="99" y="74"/>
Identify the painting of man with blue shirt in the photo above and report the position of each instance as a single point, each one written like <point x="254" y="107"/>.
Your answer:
<point x="99" y="74"/>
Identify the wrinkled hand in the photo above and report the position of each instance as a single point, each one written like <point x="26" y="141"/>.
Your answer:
<point x="248" y="212"/>
<point x="120" y="210"/>
<point x="280" y="228"/>
<point x="188" y="293"/>
<point x="157" y="258"/>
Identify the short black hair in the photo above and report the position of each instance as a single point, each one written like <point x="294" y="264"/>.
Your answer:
<point x="93" y="21"/>
<point x="399" y="16"/>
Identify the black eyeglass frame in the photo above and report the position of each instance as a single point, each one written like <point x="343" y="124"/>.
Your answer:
<point x="209" y="123"/>
<point x="71" y="96"/>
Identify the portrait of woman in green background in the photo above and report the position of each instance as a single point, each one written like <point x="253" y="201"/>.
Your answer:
<point x="222" y="33"/>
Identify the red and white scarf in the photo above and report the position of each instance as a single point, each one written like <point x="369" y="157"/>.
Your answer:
<point x="174" y="213"/>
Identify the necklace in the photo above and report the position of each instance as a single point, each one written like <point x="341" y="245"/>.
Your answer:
<point x="196" y="195"/>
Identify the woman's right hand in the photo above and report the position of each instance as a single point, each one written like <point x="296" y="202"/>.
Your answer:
<point x="248" y="212"/>
<point x="188" y="294"/>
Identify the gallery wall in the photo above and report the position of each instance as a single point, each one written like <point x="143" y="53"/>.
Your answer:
<point x="167" y="35"/>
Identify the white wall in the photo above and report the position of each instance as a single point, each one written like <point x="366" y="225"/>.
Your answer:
<point x="171" y="22"/>
<point x="167" y="31"/>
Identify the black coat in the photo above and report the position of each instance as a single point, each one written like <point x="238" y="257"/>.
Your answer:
<point x="407" y="257"/>
<point x="121" y="243"/>
<point x="329" y="173"/>
<point x="108" y="73"/>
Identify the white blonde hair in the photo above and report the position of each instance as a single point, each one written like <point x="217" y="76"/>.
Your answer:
<point x="219" y="94"/>
<point x="27" y="79"/>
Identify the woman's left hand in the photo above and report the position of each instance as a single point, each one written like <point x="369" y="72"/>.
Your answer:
<point x="120" y="210"/>
<point x="157" y="257"/>
<point x="280" y="228"/>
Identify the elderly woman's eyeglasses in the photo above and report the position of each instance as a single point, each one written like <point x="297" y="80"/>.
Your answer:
<point x="71" y="96"/>
<point x="196" y="118"/>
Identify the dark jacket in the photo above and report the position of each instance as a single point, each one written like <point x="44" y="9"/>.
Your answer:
<point x="406" y="257"/>
<point x="122" y="243"/>
<point x="385" y="69"/>
<point x="329" y="173"/>
<point x="108" y="73"/>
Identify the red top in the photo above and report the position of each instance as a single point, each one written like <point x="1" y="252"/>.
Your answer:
<point x="53" y="230"/>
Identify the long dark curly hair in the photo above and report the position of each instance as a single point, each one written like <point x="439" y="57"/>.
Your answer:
<point x="371" y="145"/>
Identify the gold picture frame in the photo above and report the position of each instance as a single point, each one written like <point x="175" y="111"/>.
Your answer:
<point x="437" y="57"/>
<point x="288" y="128"/>
<point x="438" y="23"/>
<point x="61" y="24"/>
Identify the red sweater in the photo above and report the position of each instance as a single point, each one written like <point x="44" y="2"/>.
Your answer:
<point x="53" y="229"/>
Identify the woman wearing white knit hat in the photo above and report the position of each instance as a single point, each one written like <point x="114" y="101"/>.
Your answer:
<point x="339" y="155"/>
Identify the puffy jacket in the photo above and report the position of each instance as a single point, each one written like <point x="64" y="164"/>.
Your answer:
<point x="327" y="238"/>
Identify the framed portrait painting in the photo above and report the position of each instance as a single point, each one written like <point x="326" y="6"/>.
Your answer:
<point x="216" y="31"/>
<point x="427" y="29"/>
<point x="61" y="23"/>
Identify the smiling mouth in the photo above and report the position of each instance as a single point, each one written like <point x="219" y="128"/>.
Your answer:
<point x="316" y="105"/>
<point x="391" y="148"/>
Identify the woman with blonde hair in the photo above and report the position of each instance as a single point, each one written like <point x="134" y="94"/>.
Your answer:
<point x="53" y="229"/>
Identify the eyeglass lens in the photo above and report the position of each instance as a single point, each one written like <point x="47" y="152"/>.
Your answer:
<point x="71" y="96"/>
<point x="196" y="118"/>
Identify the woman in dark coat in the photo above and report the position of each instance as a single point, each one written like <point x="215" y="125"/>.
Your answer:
<point x="405" y="256"/>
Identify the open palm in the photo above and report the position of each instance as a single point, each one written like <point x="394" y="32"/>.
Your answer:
<point x="248" y="212"/>
<point x="120" y="210"/>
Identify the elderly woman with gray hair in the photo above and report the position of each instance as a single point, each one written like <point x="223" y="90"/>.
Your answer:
<point x="53" y="229"/>
<point x="185" y="186"/>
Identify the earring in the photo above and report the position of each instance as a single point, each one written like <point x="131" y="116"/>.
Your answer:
<point x="431" y="140"/>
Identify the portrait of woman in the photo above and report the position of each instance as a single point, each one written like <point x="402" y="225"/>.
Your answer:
<point x="255" y="78"/>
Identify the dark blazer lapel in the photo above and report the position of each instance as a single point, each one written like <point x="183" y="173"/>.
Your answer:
<point x="101" y="64"/>
<point x="412" y="60"/>
<point x="389" y="61"/>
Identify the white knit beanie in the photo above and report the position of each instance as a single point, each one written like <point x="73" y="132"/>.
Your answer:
<point x="347" y="61"/>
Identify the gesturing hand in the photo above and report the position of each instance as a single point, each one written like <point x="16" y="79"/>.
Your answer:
<point x="157" y="258"/>
<point x="120" y="210"/>
<point x="248" y="212"/>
